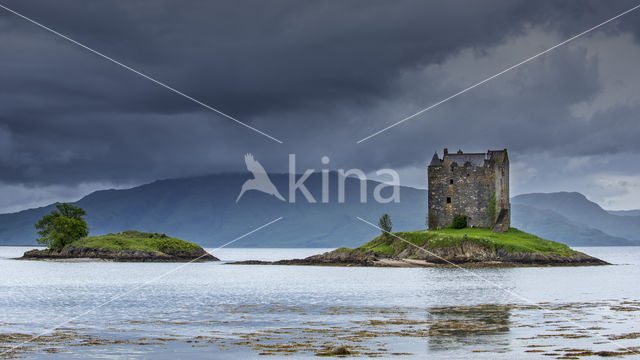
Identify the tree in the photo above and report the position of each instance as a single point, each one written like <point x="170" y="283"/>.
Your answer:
<point x="62" y="226"/>
<point x="385" y="225"/>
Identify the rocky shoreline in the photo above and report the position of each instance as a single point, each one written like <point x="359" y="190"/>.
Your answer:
<point x="72" y="253"/>
<point x="465" y="254"/>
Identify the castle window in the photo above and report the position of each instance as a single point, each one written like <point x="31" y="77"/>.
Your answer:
<point x="448" y="200"/>
<point x="451" y="181"/>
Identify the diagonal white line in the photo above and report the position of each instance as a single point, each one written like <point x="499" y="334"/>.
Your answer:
<point x="498" y="74"/>
<point x="493" y="283"/>
<point x="139" y="73"/>
<point x="136" y="288"/>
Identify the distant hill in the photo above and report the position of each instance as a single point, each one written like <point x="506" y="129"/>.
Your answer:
<point x="549" y="224"/>
<point x="578" y="209"/>
<point x="203" y="210"/>
<point x="624" y="212"/>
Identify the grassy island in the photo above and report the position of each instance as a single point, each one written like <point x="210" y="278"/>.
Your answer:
<point x="473" y="247"/>
<point x="136" y="240"/>
<point x="128" y="245"/>
<point x="511" y="241"/>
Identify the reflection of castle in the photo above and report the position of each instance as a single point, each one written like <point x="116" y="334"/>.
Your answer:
<point x="472" y="184"/>
<point x="453" y="327"/>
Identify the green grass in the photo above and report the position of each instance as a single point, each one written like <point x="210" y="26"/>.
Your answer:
<point x="384" y="244"/>
<point x="512" y="240"/>
<point x="135" y="240"/>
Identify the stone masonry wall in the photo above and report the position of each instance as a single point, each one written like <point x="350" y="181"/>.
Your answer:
<point x="469" y="194"/>
<point x="466" y="189"/>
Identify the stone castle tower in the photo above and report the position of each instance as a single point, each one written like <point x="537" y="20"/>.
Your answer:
<point x="471" y="184"/>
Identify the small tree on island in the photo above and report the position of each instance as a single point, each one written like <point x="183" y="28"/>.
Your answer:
<point x="62" y="226"/>
<point x="385" y="225"/>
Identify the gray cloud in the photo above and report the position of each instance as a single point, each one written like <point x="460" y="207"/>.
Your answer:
<point x="318" y="75"/>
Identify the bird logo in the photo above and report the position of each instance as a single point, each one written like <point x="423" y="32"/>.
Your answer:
<point x="260" y="181"/>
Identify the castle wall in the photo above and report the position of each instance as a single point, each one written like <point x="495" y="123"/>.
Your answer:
<point x="469" y="194"/>
<point x="466" y="190"/>
<point x="501" y="169"/>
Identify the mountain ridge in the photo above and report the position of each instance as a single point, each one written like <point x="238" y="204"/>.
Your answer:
<point x="203" y="210"/>
<point x="577" y="208"/>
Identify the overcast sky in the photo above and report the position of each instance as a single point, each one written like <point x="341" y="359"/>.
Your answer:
<point x="319" y="76"/>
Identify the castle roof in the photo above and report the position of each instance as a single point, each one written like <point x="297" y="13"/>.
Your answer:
<point x="473" y="159"/>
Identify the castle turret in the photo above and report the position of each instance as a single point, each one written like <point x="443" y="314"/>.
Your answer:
<point x="435" y="160"/>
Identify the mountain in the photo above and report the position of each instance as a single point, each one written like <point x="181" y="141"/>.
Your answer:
<point x="549" y="224"/>
<point x="625" y="212"/>
<point x="578" y="209"/>
<point x="204" y="210"/>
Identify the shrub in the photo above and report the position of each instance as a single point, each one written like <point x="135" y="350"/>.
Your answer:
<point x="459" y="222"/>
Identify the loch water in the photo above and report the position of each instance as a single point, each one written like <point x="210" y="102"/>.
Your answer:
<point x="216" y="311"/>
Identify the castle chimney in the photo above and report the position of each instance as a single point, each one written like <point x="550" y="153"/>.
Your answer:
<point x="446" y="151"/>
<point x="460" y="151"/>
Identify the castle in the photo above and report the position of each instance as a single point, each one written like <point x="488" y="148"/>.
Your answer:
<point x="472" y="184"/>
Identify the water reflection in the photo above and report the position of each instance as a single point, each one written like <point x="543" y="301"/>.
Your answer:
<point x="451" y="327"/>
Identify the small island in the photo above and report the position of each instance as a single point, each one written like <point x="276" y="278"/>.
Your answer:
<point x="65" y="233"/>
<point x="450" y="247"/>
<point x="129" y="246"/>
<point x="469" y="222"/>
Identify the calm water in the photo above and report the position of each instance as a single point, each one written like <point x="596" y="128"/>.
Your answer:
<point x="212" y="310"/>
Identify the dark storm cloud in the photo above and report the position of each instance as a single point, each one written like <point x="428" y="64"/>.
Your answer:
<point x="255" y="56"/>
<point x="529" y="112"/>
<point x="318" y="75"/>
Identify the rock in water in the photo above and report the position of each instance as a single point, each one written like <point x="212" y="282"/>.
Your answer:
<point x="335" y="351"/>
